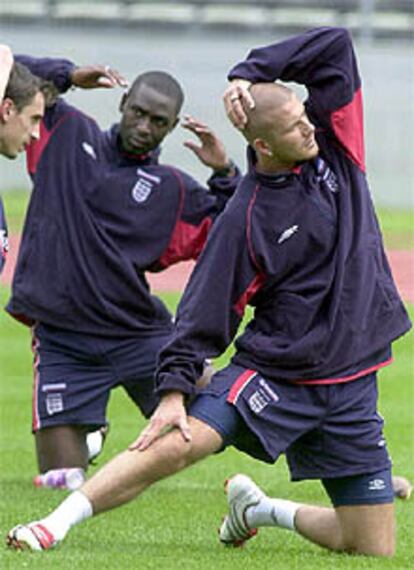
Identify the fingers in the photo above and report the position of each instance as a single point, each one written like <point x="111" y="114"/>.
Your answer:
<point x="185" y="429"/>
<point x="154" y="430"/>
<point x="236" y="99"/>
<point x="111" y="78"/>
<point x="169" y="414"/>
<point x="147" y="437"/>
<point x="195" y="126"/>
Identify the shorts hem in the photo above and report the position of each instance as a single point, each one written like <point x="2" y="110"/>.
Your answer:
<point x="360" y="502"/>
<point x="295" y="477"/>
<point x="48" y="424"/>
<point x="211" y="423"/>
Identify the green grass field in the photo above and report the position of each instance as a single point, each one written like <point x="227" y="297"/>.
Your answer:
<point x="174" y="525"/>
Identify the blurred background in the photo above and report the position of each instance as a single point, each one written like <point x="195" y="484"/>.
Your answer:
<point x="199" y="40"/>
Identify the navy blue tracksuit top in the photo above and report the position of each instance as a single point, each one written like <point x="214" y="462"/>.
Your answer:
<point x="303" y="248"/>
<point x="98" y="219"/>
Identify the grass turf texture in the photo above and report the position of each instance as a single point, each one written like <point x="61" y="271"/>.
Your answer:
<point x="173" y="525"/>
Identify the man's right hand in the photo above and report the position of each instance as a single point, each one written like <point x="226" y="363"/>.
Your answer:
<point x="94" y="76"/>
<point x="236" y="99"/>
<point x="170" y="413"/>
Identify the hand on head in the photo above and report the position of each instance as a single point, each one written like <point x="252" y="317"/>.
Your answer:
<point x="236" y="99"/>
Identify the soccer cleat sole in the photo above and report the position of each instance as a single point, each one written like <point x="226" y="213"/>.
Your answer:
<point x="34" y="538"/>
<point x="238" y="542"/>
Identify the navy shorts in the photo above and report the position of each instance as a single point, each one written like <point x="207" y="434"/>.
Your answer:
<point x="74" y="374"/>
<point x="325" y="431"/>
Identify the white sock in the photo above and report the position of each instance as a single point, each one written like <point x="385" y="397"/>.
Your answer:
<point x="73" y="510"/>
<point x="94" y="442"/>
<point x="272" y="512"/>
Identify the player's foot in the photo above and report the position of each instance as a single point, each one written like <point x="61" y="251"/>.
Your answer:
<point x="242" y="493"/>
<point x="402" y="487"/>
<point x="34" y="536"/>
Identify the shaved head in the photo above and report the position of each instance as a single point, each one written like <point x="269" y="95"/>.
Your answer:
<point x="278" y="128"/>
<point x="269" y="99"/>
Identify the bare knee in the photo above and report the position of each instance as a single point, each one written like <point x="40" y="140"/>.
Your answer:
<point x="379" y="550"/>
<point x="368" y="530"/>
<point x="172" y="453"/>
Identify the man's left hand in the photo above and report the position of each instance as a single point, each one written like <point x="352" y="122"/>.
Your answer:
<point x="94" y="76"/>
<point x="211" y="151"/>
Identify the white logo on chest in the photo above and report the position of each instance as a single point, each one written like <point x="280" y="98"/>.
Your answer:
<point x="88" y="148"/>
<point x="287" y="234"/>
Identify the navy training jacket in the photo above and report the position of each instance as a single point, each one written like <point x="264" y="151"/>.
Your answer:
<point x="303" y="248"/>
<point x="98" y="219"/>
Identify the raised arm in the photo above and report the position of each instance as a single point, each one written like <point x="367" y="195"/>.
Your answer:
<point x="63" y="74"/>
<point x="324" y="61"/>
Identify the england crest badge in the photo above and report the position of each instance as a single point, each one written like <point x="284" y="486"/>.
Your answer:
<point x="144" y="186"/>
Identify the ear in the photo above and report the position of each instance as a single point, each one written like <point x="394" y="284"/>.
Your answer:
<point x="262" y="147"/>
<point x="7" y="109"/>
<point x="123" y="101"/>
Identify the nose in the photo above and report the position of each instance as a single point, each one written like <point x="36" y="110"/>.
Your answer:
<point x="35" y="134"/>
<point x="309" y="128"/>
<point x="143" y="125"/>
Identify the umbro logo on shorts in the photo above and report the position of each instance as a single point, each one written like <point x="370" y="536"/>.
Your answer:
<point x="376" y="485"/>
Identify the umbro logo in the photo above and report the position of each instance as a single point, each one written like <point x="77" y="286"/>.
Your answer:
<point x="287" y="234"/>
<point x="376" y="485"/>
<point x="88" y="148"/>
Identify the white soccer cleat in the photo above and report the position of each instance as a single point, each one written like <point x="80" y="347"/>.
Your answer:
<point x="402" y="487"/>
<point x="33" y="536"/>
<point x="242" y="493"/>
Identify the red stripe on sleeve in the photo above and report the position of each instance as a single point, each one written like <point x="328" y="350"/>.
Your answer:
<point x="245" y="297"/>
<point x="36" y="148"/>
<point x="186" y="242"/>
<point x="348" y="126"/>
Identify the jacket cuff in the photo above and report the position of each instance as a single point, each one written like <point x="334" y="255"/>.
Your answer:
<point x="222" y="181"/>
<point x="172" y="382"/>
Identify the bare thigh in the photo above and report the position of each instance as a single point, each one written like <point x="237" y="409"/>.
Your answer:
<point x="368" y="529"/>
